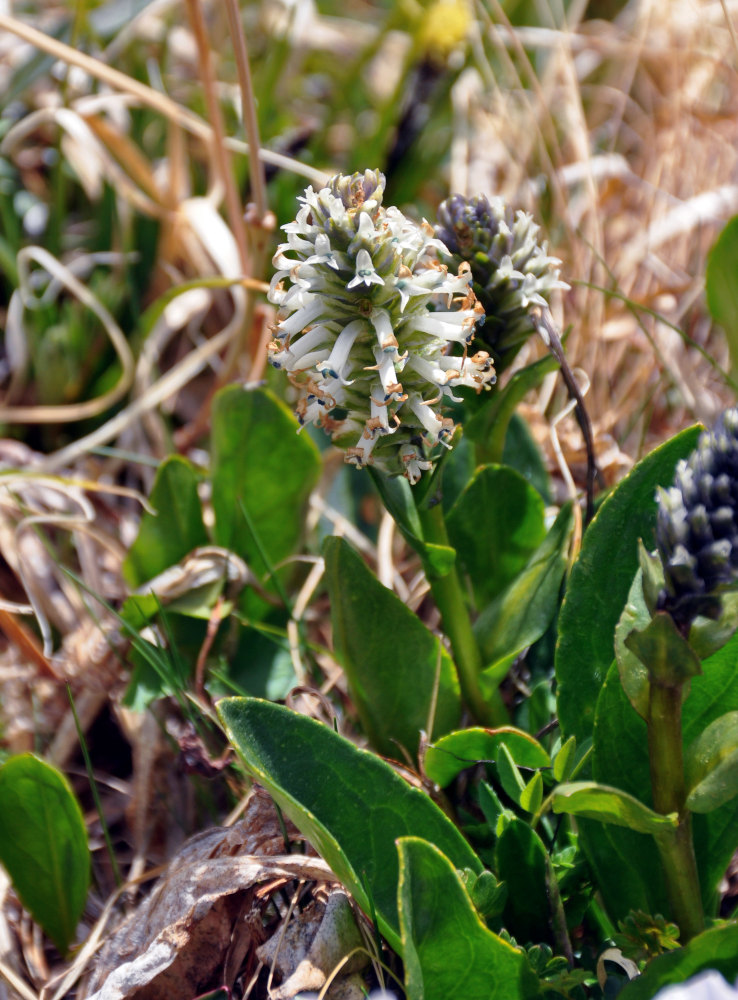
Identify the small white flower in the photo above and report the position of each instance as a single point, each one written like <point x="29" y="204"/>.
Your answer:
<point x="365" y="271"/>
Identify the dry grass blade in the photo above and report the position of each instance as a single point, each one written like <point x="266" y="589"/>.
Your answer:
<point x="146" y="95"/>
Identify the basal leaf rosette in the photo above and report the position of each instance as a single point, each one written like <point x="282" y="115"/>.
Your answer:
<point x="697" y="526"/>
<point x="511" y="270"/>
<point x="372" y="330"/>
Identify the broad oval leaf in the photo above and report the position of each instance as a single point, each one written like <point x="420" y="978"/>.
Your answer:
<point x="711" y="765"/>
<point x="495" y="526"/>
<point x="348" y="802"/>
<point x="520" y="859"/>
<point x="263" y="472"/>
<point x="390" y="658"/>
<point x="522" y="613"/>
<point x="175" y="530"/>
<point x="600" y="580"/>
<point x="609" y="805"/>
<point x="449" y="953"/>
<point x="43" y="845"/>
<point x="450" y="755"/>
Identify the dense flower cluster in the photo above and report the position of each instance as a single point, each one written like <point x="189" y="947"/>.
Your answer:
<point x="511" y="271"/>
<point x="697" y="527"/>
<point x="372" y="330"/>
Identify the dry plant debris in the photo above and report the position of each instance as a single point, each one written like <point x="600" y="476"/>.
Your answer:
<point x="620" y="134"/>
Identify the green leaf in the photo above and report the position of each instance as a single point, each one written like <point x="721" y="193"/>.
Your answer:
<point x="348" y="802"/>
<point x="633" y="673"/>
<point x="487" y="894"/>
<point x="711" y="765"/>
<point x="263" y="472"/>
<point x="509" y="775"/>
<point x="523" y="454"/>
<point x="174" y="531"/>
<point x="390" y="658"/>
<point x="495" y="813"/>
<point x="532" y="795"/>
<point x="495" y="526"/>
<point x="609" y="805"/>
<point x="522" y="613"/>
<point x="448" y="952"/>
<point x="721" y="287"/>
<point x="600" y="581"/>
<point x="450" y="755"/>
<point x="398" y="497"/>
<point x="563" y="762"/>
<point x="43" y="845"/>
<point x="488" y="427"/>
<point x="652" y="573"/>
<point x="714" y="949"/>
<point x="664" y="651"/>
<point x="627" y="866"/>
<point x="520" y="859"/>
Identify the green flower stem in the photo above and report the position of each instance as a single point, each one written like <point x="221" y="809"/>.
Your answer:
<point x="449" y="597"/>
<point x="667" y="784"/>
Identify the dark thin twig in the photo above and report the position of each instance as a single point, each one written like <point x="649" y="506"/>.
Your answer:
<point x="548" y="333"/>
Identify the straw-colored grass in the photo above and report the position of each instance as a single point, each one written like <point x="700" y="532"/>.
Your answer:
<point x="620" y="136"/>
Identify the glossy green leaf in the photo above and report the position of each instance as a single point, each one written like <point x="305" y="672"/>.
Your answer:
<point x="609" y="805"/>
<point x="495" y="813"/>
<point x="532" y="795"/>
<point x="43" y="845"/>
<point x="600" y="580"/>
<point x="522" y="613"/>
<point x="262" y="472"/>
<point x="711" y="765"/>
<point x="349" y="803"/>
<point x="664" y="651"/>
<point x="448" y="952"/>
<point x="175" y="530"/>
<point x="451" y="754"/>
<point x="563" y="761"/>
<point x="721" y="288"/>
<point x="627" y="865"/>
<point x="520" y="859"/>
<point x="390" y="658"/>
<point x="495" y="526"/>
<point x="521" y="452"/>
<point x="714" y="949"/>
<point x="509" y="775"/>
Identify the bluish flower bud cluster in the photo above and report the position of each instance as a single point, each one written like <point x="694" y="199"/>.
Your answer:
<point x="697" y="527"/>
<point x="511" y="270"/>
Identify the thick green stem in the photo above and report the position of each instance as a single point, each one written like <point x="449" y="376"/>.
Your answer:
<point x="449" y="597"/>
<point x="667" y="784"/>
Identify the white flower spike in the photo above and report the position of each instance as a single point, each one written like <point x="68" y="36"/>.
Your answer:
<point x="372" y="330"/>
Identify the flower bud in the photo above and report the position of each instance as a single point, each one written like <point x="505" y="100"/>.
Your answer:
<point x="697" y="526"/>
<point x="511" y="271"/>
